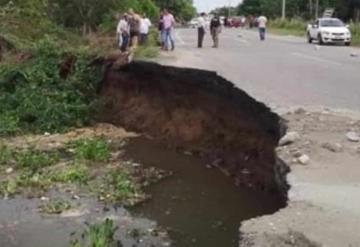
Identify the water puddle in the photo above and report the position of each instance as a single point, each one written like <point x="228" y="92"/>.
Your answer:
<point x="200" y="206"/>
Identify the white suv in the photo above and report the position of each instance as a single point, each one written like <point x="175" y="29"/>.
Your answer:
<point x="329" y="30"/>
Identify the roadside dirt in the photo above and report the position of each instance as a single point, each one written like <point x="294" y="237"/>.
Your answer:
<point x="197" y="111"/>
<point x="324" y="197"/>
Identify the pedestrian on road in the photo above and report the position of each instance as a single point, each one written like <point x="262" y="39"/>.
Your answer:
<point x="201" y="29"/>
<point x="122" y="32"/>
<point x="145" y="25"/>
<point x="168" y="25"/>
<point x="262" y="21"/>
<point x="161" y="31"/>
<point x="134" y="23"/>
<point x="215" y="28"/>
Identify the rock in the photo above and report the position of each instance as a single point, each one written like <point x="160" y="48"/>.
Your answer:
<point x="289" y="138"/>
<point x="45" y="199"/>
<point x="333" y="147"/>
<point x="300" y="111"/>
<point x="354" y="54"/>
<point x="353" y="136"/>
<point x="9" y="170"/>
<point x="304" y="159"/>
<point x="47" y="134"/>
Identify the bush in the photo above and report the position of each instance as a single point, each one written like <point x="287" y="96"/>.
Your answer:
<point x="292" y="24"/>
<point x="355" y="31"/>
<point x="38" y="96"/>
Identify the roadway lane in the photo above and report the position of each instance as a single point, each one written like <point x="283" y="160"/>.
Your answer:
<point x="283" y="71"/>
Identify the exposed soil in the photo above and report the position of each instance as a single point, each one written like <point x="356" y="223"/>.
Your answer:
<point x="198" y="111"/>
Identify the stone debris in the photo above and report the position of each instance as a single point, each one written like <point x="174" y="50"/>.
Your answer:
<point x="289" y="138"/>
<point x="353" y="136"/>
<point x="304" y="159"/>
<point x="354" y="54"/>
<point x="9" y="170"/>
<point x="333" y="147"/>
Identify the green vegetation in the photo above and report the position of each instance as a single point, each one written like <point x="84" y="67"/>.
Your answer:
<point x="37" y="97"/>
<point x="98" y="235"/>
<point x="150" y="49"/>
<point x="75" y="173"/>
<point x="55" y="206"/>
<point x="96" y="149"/>
<point x="295" y="27"/>
<point x="355" y="31"/>
<point x="305" y="9"/>
<point x="35" y="160"/>
<point x="31" y="159"/>
<point x="117" y="186"/>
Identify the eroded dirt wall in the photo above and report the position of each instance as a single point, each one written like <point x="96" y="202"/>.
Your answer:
<point x="198" y="111"/>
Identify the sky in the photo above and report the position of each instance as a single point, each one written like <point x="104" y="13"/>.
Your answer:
<point x="207" y="5"/>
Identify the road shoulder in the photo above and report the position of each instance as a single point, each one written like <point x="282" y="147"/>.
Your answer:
<point x="324" y="198"/>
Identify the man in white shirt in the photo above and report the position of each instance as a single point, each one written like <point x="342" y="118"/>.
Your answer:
<point x="123" y="32"/>
<point x="262" y="21"/>
<point x="145" y="25"/>
<point x="201" y="29"/>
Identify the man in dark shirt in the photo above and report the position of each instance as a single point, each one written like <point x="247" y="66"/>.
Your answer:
<point x="215" y="28"/>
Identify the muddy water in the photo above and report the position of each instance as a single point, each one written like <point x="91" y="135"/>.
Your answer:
<point x="200" y="206"/>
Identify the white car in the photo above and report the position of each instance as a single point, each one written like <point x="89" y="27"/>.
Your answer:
<point x="193" y="23"/>
<point x="329" y="30"/>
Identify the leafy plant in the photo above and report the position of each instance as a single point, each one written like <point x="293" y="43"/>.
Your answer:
<point x="35" y="159"/>
<point x="98" y="235"/>
<point x="55" y="206"/>
<point x="96" y="149"/>
<point x="76" y="173"/>
<point x="6" y="154"/>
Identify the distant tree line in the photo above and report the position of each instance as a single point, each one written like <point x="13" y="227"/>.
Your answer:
<point x="89" y="14"/>
<point x="345" y="9"/>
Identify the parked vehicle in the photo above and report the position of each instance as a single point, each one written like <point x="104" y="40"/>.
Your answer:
<point x="329" y="30"/>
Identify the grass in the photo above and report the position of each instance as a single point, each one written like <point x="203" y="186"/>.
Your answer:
<point x="75" y="173"/>
<point x="98" y="235"/>
<point x="297" y="27"/>
<point x="96" y="149"/>
<point x="151" y="48"/>
<point x="27" y="159"/>
<point x="117" y="187"/>
<point x="55" y="206"/>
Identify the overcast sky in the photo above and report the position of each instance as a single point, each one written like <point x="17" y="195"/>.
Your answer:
<point x="207" y="5"/>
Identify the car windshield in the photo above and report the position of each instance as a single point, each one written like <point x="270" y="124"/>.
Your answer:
<point x="331" y="23"/>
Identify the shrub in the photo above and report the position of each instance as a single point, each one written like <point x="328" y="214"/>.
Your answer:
<point x="91" y="149"/>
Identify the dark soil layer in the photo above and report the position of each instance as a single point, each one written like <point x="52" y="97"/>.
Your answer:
<point x="198" y="111"/>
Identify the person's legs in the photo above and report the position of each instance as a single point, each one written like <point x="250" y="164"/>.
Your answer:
<point x="172" y="41"/>
<point x="200" y="37"/>
<point x="125" y="42"/>
<point x="262" y="33"/>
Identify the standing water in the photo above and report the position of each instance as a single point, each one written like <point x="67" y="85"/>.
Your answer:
<point x="199" y="206"/>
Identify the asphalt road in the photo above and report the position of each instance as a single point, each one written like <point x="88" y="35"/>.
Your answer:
<point x="283" y="71"/>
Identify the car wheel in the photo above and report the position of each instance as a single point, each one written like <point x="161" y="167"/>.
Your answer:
<point x="309" y="38"/>
<point x="321" y="42"/>
<point x="347" y="43"/>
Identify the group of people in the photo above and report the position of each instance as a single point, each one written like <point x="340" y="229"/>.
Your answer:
<point x="215" y="28"/>
<point x="132" y="29"/>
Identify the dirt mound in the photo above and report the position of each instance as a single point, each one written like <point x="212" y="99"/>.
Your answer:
<point x="199" y="111"/>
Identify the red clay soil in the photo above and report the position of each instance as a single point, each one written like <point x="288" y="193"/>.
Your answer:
<point x="198" y="111"/>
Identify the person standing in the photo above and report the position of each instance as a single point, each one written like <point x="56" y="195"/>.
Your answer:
<point x="215" y="29"/>
<point x="122" y="32"/>
<point x="134" y="23"/>
<point x="262" y="21"/>
<point x="145" y="25"/>
<point x="201" y="29"/>
<point x="161" y="30"/>
<point x="168" y="25"/>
